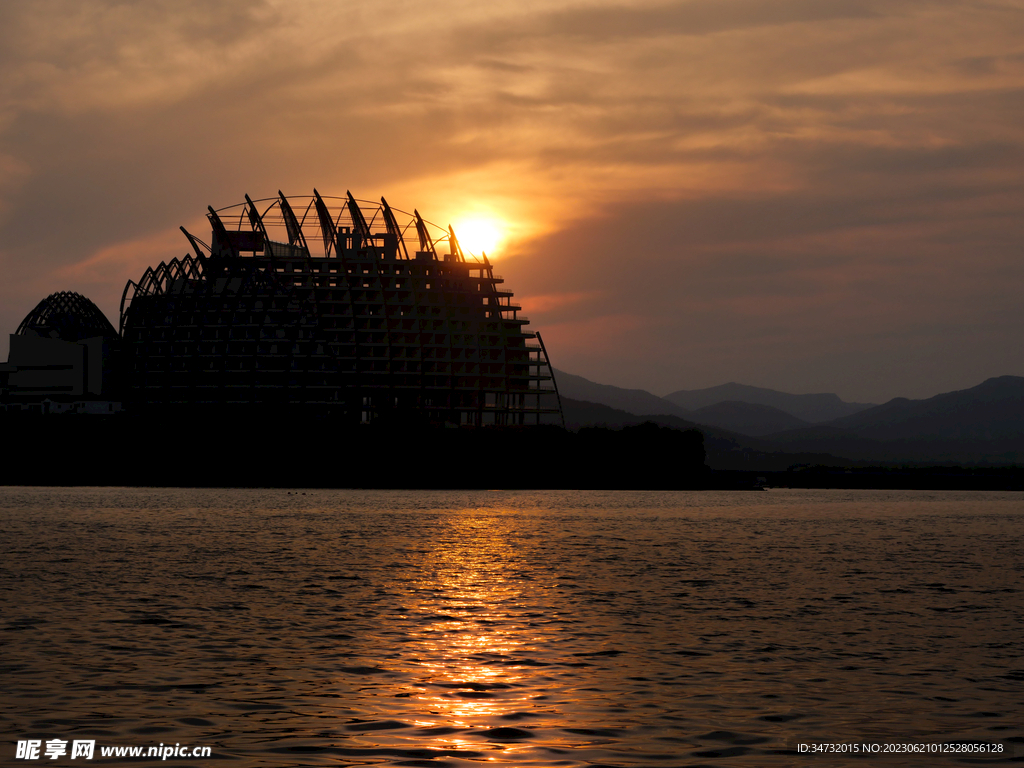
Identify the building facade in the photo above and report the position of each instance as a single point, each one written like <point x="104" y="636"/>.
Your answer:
<point x="337" y="307"/>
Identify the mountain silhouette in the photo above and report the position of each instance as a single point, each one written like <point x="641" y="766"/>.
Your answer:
<point x="636" y="401"/>
<point x="814" y="409"/>
<point x="583" y="413"/>
<point x="747" y="418"/>
<point x="992" y="410"/>
<point x="980" y="425"/>
<point x="983" y="424"/>
<point x="739" y="408"/>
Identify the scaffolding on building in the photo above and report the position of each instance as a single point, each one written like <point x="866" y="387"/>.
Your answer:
<point x="384" y="317"/>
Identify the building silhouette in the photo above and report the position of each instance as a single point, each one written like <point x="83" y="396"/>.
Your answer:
<point x="63" y="357"/>
<point x="326" y="306"/>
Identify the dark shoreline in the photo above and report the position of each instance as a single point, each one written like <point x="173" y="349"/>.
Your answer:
<point x="287" y="451"/>
<point x="721" y="480"/>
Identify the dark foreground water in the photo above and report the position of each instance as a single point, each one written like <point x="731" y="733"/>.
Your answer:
<point x="513" y="629"/>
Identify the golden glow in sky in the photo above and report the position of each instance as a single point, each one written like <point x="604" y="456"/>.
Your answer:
<point x="480" y="235"/>
<point x="774" y="173"/>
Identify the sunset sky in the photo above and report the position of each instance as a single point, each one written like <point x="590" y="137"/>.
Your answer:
<point x="808" y="195"/>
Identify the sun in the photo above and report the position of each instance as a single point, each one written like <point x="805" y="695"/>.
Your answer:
<point x="479" y="235"/>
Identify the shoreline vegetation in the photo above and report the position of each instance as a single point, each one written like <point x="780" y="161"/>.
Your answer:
<point x="290" y="451"/>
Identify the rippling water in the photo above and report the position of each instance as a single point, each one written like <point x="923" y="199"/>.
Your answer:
<point x="523" y="629"/>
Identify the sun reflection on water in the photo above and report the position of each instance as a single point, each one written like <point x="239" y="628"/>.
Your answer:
<point x="453" y="631"/>
<point x="468" y="676"/>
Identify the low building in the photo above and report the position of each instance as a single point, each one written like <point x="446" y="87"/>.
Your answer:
<point x="64" y="357"/>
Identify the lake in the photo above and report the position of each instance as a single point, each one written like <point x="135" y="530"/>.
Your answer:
<point x="456" y="629"/>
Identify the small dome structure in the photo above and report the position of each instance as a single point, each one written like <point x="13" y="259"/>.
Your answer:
<point x="67" y="316"/>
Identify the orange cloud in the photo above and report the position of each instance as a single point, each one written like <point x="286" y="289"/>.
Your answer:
<point x="711" y="169"/>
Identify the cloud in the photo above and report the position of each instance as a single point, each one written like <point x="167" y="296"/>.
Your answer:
<point x="804" y="294"/>
<point x="689" y="17"/>
<point x="805" y="183"/>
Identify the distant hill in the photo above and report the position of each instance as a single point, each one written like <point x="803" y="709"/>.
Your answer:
<point x="580" y="413"/>
<point x="980" y="425"/>
<point x="837" y="442"/>
<point x="725" y="450"/>
<point x="747" y="418"/>
<point x="853" y="448"/>
<point x="992" y="410"/>
<point x="746" y="410"/>
<point x="636" y="401"/>
<point x="812" y="409"/>
<point x="983" y="424"/>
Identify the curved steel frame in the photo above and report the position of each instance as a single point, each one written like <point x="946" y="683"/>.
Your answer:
<point x="68" y="316"/>
<point x="386" y="330"/>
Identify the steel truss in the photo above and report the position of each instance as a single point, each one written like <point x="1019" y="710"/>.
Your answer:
<point x="368" y="327"/>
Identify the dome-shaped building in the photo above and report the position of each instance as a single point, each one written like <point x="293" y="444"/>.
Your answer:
<point x="63" y="357"/>
<point x="68" y="316"/>
<point x="339" y="306"/>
